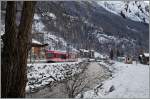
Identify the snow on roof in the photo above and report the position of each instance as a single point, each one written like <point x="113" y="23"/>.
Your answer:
<point x="84" y="50"/>
<point x="146" y="54"/>
<point x="35" y="41"/>
<point x="75" y="50"/>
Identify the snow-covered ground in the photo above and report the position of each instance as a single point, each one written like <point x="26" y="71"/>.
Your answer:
<point x="41" y="74"/>
<point x="127" y="81"/>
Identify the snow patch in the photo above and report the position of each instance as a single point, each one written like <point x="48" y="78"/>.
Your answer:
<point x="129" y="81"/>
<point x="36" y="17"/>
<point x="38" y="26"/>
<point x="49" y="14"/>
<point x="52" y="15"/>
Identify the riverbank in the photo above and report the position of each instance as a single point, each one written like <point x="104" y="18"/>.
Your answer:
<point x="95" y="73"/>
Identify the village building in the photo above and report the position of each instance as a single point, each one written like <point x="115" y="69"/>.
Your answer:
<point x="86" y="53"/>
<point x="144" y="58"/>
<point x="121" y="59"/>
<point x="128" y="60"/>
<point x="37" y="51"/>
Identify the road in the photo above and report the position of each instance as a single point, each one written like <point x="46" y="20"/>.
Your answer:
<point x="95" y="74"/>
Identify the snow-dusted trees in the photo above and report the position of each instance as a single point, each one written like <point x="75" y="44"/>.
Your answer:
<point x="111" y="54"/>
<point x="118" y="54"/>
<point x="15" y="51"/>
<point x="75" y="84"/>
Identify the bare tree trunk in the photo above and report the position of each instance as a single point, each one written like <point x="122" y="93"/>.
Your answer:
<point x="9" y="53"/>
<point x="15" y="51"/>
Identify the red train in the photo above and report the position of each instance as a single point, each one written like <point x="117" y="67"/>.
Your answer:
<point x="58" y="56"/>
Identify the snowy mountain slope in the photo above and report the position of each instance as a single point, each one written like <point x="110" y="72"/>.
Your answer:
<point x="135" y="10"/>
<point x="89" y="25"/>
<point x="128" y="81"/>
<point x="77" y="22"/>
<point x="54" y="42"/>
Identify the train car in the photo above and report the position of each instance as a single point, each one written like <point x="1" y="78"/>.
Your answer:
<point x="55" y="56"/>
<point x="58" y="56"/>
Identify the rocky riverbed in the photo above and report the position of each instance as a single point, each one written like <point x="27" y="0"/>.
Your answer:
<point x="95" y="74"/>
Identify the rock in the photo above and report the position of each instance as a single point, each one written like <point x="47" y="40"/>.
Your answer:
<point x="112" y="88"/>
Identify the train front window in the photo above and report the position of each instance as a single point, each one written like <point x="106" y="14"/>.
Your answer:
<point x="50" y="55"/>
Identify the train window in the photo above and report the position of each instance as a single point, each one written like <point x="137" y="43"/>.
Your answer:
<point x="57" y="55"/>
<point x="63" y="56"/>
<point x="50" y="55"/>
